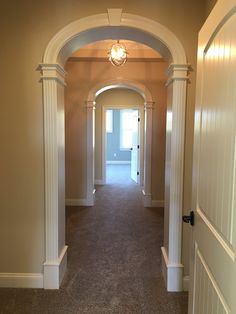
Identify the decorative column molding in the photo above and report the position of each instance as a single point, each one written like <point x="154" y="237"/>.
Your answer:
<point x="52" y="72"/>
<point x="172" y="259"/>
<point x="147" y="188"/>
<point x="52" y="75"/>
<point x="178" y="72"/>
<point x="90" y="105"/>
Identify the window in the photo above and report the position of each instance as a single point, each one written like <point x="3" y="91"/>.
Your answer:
<point x="109" y="121"/>
<point x="127" y="127"/>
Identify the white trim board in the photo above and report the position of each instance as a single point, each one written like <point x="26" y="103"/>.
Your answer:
<point x="21" y="280"/>
<point x="118" y="162"/>
<point x="158" y="203"/>
<point x="99" y="182"/>
<point x="77" y="202"/>
<point x="148" y="202"/>
<point x="142" y="164"/>
<point x="147" y="199"/>
<point x="173" y="273"/>
<point x="54" y="271"/>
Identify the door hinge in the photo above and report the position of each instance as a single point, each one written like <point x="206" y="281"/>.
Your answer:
<point x="138" y="119"/>
<point x="137" y="146"/>
<point x="137" y="173"/>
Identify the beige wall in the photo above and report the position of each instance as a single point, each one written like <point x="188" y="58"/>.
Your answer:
<point x="26" y="28"/>
<point x="83" y="76"/>
<point x="209" y="6"/>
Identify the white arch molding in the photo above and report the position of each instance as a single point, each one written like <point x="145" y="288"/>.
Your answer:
<point x="148" y="106"/>
<point x="113" y="24"/>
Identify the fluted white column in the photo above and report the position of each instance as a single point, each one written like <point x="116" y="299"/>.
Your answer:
<point x="90" y="105"/>
<point x="178" y="80"/>
<point x="147" y="188"/>
<point x="52" y="78"/>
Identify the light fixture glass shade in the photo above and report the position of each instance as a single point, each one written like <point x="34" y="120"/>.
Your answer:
<point x="118" y="54"/>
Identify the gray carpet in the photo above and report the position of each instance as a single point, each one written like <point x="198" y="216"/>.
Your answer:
<point x="114" y="262"/>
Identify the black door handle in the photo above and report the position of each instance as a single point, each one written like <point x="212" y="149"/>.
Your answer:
<point x="189" y="219"/>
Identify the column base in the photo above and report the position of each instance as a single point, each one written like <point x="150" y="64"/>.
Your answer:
<point x="54" y="271"/>
<point x="173" y="273"/>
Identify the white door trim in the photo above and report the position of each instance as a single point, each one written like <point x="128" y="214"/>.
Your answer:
<point x="58" y="50"/>
<point x="104" y="144"/>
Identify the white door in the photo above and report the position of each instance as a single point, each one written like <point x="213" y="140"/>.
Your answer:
<point x="135" y="149"/>
<point x="213" y="262"/>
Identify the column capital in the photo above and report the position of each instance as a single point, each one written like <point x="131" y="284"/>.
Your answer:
<point x="178" y="72"/>
<point x="90" y="104"/>
<point x="149" y="105"/>
<point x="52" y="71"/>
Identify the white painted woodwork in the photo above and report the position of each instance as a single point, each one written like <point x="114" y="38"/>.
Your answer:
<point x="120" y="83"/>
<point x="145" y="133"/>
<point x="53" y="79"/>
<point x="77" y="201"/>
<point x="147" y="185"/>
<point x="171" y="262"/>
<point x="21" y="280"/>
<point x="61" y="46"/>
<point x="135" y="158"/>
<point x="158" y="203"/>
<point x="95" y="27"/>
<point x="208" y="296"/>
<point x="118" y="162"/>
<point x="213" y="265"/>
<point x="141" y="161"/>
<point x="90" y="105"/>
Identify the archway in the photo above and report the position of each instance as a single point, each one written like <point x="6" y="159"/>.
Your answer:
<point x="148" y="106"/>
<point x="112" y="25"/>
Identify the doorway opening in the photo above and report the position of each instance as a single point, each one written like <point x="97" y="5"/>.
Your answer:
<point x="111" y="25"/>
<point x="118" y="94"/>
<point x="122" y="145"/>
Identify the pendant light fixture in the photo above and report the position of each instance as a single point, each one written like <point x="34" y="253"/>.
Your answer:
<point x="118" y="54"/>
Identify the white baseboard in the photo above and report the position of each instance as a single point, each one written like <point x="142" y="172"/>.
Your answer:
<point x="21" y="280"/>
<point x="186" y="283"/>
<point x="78" y="202"/>
<point x="99" y="182"/>
<point x="118" y="162"/>
<point x="158" y="203"/>
<point x="54" y="271"/>
<point x="148" y="202"/>
<point x="173" y="273"/>
<point x="147" y="199"/>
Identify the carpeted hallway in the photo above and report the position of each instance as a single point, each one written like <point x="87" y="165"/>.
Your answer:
<point x="114" y="262"/>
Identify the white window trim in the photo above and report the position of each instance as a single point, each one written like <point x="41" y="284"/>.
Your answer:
<point x="110" y="128"/>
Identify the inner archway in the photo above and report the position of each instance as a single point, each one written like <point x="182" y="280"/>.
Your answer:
<point x="147" y="108"/>
<point x="113" y="24"/>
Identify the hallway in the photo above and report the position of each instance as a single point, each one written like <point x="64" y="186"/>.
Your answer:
<point x="113" y="262"/>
